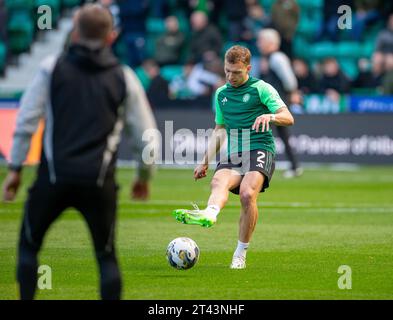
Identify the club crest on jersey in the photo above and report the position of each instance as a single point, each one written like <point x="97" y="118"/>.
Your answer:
<point x="246" y="97"/>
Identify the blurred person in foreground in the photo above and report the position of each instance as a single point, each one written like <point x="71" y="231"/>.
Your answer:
<point x="85" y="97"/>
<point x="281" y="76"/>
<point x="246" y="108"/>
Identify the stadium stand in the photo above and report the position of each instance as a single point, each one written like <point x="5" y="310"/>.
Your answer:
<point x="21" y="33"/>
<point x="21" y="41"/>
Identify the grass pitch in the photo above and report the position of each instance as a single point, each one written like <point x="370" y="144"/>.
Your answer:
<point x="308" y="227"/>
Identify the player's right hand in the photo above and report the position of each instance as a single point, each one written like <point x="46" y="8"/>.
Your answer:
<point x="200" y="171"/>
<point x="11" y="186"/>
<point x="140" y="190"/>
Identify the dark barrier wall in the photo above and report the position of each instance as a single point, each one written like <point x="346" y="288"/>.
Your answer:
<point x="352" y="138"/>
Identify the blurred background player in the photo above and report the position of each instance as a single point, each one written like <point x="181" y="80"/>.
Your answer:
<point x="85" y="96"/>
<point x="281" y="76"/>
<point x="250" y="166"/>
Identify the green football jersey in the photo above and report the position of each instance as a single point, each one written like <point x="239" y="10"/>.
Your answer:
<point x="238" y="107"/>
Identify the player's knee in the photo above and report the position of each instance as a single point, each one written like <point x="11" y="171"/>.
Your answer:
<point x="216" y="184"/>
<point x="247" y="196"/>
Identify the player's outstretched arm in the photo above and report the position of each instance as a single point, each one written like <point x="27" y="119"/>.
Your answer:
<point x="31" y="111"/>
<point x="140" y="121"/>
<point x="214" y="145"/>
<point x="281" y="118"/>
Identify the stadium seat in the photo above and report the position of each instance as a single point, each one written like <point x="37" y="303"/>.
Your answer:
<point x="120" y="50"/>
<point x="367" y="48"/>
<point x="310" y="5"/>
<point x="349" y="49"/>
<point x="170" y="71"/>
<point x="150" y="46"/>
<point x="301" y="47"/>
<point x="306" y="28"/>
<point x="322" y="50"/>
<point x="143" y="77"/>
<point x="20" y="31"/>
<point x="349" y="66"/>
<point x="70" y="3"/>
<point x="155" y="26"/>
<point x="19" y="4"/>
<point x="266" y="4"/>
<point x="3" y="55"/>
<point x="364" y="91"/>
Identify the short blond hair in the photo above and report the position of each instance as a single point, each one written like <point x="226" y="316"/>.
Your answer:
<point x="237" y="54"/>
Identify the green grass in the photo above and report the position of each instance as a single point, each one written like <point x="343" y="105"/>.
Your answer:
<point x="307" y="228"/>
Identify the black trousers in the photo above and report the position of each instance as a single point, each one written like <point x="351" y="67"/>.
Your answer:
<point x="45" y="203"/>
<point x="283" y="133"/>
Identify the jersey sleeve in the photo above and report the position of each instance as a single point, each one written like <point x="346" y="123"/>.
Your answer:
<point x="270" y="97"/>
<point x="219" y="117"/>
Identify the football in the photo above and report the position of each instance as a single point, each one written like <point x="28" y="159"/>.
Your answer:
<point x="182" y="253"/>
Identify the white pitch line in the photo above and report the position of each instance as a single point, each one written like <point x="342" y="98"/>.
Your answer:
<point x="320" y="209"/>
<point x="261" y="203"/>
<point x="202" y="203"/>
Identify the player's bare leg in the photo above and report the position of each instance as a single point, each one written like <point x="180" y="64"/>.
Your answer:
<point x="223" y="181"/>
<point x="249" y="191"/>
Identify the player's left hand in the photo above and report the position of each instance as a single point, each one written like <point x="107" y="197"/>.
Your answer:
<point x="262" y="120"/>
<point x="11" y="185"/>
<point x="140" y="190"/>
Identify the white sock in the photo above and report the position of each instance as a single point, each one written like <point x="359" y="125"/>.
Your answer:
<point x="241" y="249"/>
<point x="213" y="210"/>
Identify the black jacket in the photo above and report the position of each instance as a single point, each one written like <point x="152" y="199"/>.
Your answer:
<point x="86" y="91"/>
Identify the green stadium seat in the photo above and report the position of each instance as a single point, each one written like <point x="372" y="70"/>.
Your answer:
<point x="306" y="28"/>
<point x="184" y="25"/>
<point x="19" y="4"/>
<point x="301" y="47"/>
<point x="267" y="4"/>
<point x="70" y="3"/>
<point x="171" y="71"/>
<point x="310" y="5"/>
<point x="150" y="46"/>
<point x="3" y="55"/>
<point x="20" y="31"/>
<point x="349" y="49"/>
<point x="322" y="50"/>
<point x="349" y="66"/>
<point x="367" y="49"/>
<point x="120" y="50"/>
<point x="143" y="77"/>
<point x="155" y="26"/>
<point x="364" y="91"/>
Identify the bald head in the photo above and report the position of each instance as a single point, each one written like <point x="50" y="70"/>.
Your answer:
<point x="93" y="24"/>
<point x="199" y="20"/>
<point x="268" y="41"/>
